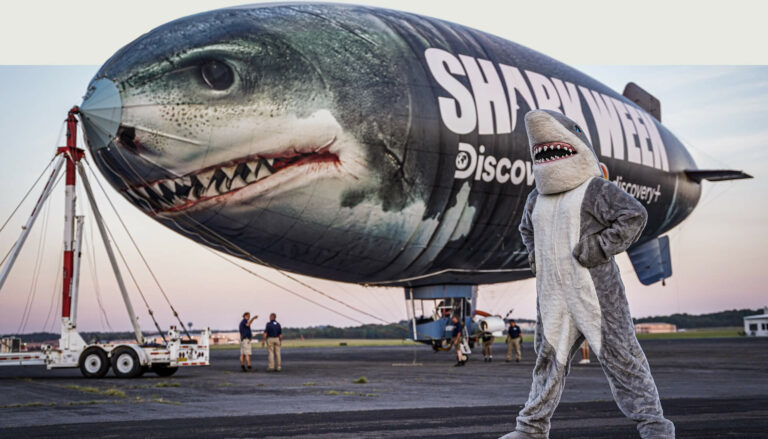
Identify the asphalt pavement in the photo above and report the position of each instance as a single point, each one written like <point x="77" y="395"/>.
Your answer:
<point x="710" y="388"/>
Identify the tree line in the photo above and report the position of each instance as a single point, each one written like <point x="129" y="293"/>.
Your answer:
<point x="733" y="317"/>
<point x="402" y="329"/>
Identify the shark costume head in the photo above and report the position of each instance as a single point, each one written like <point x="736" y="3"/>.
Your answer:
<point x="562" y="156"/>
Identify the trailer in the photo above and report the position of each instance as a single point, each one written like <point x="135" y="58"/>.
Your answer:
<point x="127" y="360"/>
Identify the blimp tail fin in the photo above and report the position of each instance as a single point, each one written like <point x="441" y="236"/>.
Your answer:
<point x="651" y="260"/>
<point x="698" y="175"/>
<point x="643" y="99"/>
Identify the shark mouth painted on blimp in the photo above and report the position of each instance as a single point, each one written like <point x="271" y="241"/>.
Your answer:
<point x="552" y="151"/>
<point x="237" y="180"/>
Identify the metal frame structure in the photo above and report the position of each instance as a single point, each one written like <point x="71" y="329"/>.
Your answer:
<point x="127" y="360"/>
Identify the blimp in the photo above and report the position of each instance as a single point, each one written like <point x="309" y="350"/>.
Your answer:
<point x="365" y="145"/>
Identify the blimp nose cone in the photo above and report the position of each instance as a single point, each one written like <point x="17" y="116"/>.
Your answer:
<point x="101" y="111"/>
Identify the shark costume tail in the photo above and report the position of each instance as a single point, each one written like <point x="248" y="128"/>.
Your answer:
<point x="573" y="224"/>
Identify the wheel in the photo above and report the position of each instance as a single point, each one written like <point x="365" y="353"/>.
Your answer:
<point x="126" y="363"/>
<point x="94" y="363"/>
<point x="164" y="370"/>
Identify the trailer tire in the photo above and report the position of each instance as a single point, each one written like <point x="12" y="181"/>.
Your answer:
<point x="163" y="370"/>
<point x="125" y="363"/>
<point x="94" y="363"/>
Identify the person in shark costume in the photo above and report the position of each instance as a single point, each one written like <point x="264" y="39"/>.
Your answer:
<point x="574" y="222"/>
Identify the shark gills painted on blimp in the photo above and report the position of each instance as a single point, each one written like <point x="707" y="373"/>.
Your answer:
<point x="354" y="143"/>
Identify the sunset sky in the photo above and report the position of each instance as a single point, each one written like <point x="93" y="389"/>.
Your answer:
<point x="715" y="103"/>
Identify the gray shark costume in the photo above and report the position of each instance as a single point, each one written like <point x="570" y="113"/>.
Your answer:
<point x="573" y="224"/>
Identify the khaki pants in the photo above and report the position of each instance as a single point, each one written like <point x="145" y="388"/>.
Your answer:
<point x="513" y="343"/>
<point x="273" y="351"/>
<point x="487" y="347"/>
<point x="460" y="355"/>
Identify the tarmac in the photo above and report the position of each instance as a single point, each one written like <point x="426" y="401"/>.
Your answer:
<point x="710" y="388"/>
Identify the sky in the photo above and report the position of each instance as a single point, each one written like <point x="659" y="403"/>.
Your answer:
<point x="710" y="77"/>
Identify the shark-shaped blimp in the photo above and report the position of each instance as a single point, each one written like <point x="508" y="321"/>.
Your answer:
<point x="359" y="144"/>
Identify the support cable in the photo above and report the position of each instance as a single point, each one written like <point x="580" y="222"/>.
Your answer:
<point x="36" y="271"/>
<point x="90" y="257"/>
<point x="283" y="288"/>
<point x="38" y="262"/>
<point x="135" y="283"/>
<point x="216" y="238"/>
<point x="133" y="241"/>
<point x="22" y="202"/>
<point x="61" y="130"/>
<point x="57" y="306"/>
<point x="55" y="294"/>
<point x="361" y="298"/>
<point x="245" y="255"/>
<point x="90" y="254"/>
<point x="395" y="324"/>
<point x="252" y="258"/>
<point x="26" y="195"/>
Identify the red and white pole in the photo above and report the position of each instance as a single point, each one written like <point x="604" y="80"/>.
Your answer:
<point x="72" y="155"/>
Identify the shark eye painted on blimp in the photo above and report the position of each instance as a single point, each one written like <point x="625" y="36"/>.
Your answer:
<point x="576" y="128"/>
<point x="217" y="75"/>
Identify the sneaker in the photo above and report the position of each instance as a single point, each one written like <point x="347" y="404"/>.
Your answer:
<point x="243" y="367"/>
<point x="508" y="360"/>
<point x="490" y="359"/>
<point x="458" y="364"/>
<point x="584" y="361"/>
<point x="517" y="360"/>
<point x="249" y="367"/>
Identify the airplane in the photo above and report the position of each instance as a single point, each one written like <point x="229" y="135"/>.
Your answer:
<point x="366" y="145"/>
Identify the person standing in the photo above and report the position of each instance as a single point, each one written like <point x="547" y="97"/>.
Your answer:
<point x="245" y="341"/>
<point x="458" y="329"/>
<point x="488" y="339"/>
<point x="273" y="337"/>
<point x="584" y="353"/>
<point x="514" y="339"/>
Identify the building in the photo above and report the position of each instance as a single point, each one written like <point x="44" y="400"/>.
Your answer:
<point x="225" y="337"/>
<point x="757" y="325"/>
<point x="655" y="328"/>
<point x="10" y="344"/>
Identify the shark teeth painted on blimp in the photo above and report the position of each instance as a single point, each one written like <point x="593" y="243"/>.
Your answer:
<point x="177" y="194"/>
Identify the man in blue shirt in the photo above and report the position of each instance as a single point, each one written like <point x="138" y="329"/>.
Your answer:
<point x="273" y="337"/>
<point x="458" y="329"/>
<point x="514" y="338"/>
<point x="245" y="340"/>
